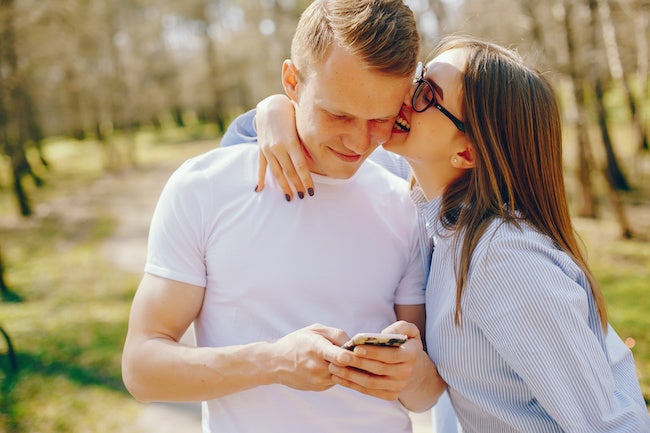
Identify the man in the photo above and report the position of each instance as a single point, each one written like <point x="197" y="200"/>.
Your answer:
<point x="256" y="290"/>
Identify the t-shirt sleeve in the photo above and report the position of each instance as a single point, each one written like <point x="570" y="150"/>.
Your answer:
<point x="411" y="290"/>
<point x="176" y="241"/>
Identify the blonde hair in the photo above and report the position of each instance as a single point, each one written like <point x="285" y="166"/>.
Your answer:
<point x="381" y="32"/>
<point x="513" y="121"/>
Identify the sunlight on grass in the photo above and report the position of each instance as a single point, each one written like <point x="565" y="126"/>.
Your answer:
<point x="63" y="406"/>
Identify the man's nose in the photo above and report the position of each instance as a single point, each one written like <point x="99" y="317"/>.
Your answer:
<point x="360" y="139"/>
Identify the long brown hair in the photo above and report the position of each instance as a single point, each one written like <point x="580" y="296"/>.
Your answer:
<point x="513" y="122"/>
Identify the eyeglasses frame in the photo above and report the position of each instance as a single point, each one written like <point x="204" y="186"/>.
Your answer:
<point x="420" y="81"/>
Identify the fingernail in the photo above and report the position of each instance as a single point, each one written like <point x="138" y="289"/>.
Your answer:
<point x="310" y="191"/>
<point x="256" y="186"/>
<point x="288" y="197"/>
<point x="360" y="350"/>
<point x="344" y="358"/>
<point x="301" y="195"/>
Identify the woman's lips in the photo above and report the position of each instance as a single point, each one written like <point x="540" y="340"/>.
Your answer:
<point x="401" y="124"/>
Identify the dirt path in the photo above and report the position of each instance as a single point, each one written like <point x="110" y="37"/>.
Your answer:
<point x="131" y="202"/>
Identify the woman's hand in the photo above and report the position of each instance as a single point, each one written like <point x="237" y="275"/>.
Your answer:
<point x="280" y="147"/>
<point x="382" y="372"/>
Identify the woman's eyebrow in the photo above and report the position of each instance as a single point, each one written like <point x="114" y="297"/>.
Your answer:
<point x="437" y="88"/>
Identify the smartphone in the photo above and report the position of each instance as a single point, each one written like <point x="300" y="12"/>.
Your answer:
<point x="375" y="339"/>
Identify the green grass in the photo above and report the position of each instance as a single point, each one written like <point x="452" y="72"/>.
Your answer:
<point x="70" y="306"/>
<point x="70" y="322"/>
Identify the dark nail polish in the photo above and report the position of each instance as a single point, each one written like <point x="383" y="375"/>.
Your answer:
<point x="310" y="191"/>
<point x="301" y="195"/>
<point x="256" y="186"/>
<point x="288" y="197"/>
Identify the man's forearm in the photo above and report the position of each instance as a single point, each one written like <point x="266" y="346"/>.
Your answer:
<point x="163" y="370"/>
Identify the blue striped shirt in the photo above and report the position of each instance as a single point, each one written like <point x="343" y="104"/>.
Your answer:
<point x="530" y="354"/>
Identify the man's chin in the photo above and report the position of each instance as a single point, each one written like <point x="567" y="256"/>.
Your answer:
<point x="346" y="173"/>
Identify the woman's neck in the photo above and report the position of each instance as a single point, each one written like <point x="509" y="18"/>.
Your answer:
<point x="432" y="179"/>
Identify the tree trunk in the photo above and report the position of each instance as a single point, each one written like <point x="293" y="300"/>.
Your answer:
<point x="4" y="289"/>
<point x="639" y="17"/>
<point x="16" y="114"/>
<point x="618" y="73"/>
<point x="19" y="166"/>
<point x="11" y="353"/>
<point x="613" y="175"/>
<point x="612" y="168"/>
<point x="213" y="72"/>
<point x="585" y="156"/>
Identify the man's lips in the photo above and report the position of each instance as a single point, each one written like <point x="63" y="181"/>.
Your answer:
<point x="345" y="157"/>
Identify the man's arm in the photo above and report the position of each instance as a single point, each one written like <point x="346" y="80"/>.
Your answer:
<point x="414" y="314"/>
<point x="157" y="367"/>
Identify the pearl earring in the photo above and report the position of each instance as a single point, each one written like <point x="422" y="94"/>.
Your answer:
<point x="454" y="160"/>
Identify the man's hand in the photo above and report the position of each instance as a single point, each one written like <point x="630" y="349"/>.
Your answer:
<point x="303" y="357"/>
<point x="382" y="372"/>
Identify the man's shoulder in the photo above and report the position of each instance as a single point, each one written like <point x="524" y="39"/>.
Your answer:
<point x="219" y="160"/>
<point x="221" y="166"/>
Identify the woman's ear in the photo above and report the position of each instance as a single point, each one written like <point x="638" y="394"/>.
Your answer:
<point x="290" y="79"/>
<point x="464" y="159"/>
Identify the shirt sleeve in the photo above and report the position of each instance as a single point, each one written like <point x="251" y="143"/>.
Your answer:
<point x="411" y="289"/>
<point x="241" y="130"/>
<point x="535" y="307"/>
<point x="175" y="247"/>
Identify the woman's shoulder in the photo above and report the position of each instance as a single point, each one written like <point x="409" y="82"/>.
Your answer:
<point x="518" y="246"/>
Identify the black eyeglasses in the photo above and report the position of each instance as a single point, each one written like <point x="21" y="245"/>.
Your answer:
<point x="425" y="97"/>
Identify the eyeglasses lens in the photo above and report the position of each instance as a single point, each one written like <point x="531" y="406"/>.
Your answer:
<point x="423" y="97"/>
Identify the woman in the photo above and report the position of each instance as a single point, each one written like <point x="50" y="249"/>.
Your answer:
<point x="516" y="323"/>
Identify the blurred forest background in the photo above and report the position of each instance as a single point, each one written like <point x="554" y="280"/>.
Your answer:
<point x="94" y="89"/>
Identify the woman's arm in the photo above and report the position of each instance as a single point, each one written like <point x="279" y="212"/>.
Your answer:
<point x="280" y="147"/>
<point x="272" y="125"/>
<point x="534" y="306"/>
<point x="405" y="373"/>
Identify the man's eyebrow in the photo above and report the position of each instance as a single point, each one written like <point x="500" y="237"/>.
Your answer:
<point x="339" y="113"/>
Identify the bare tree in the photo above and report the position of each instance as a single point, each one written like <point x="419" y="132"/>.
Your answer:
<point x="613" y="170"/>
<point x="639" y="18"/>
<point x="4" y="289"/>
<point x="585" y="154"/>
<point x="11" y="352"/>
<point x="17" y="122"/>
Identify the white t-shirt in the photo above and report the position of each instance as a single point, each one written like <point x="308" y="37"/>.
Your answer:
<point x="342" y="258"/>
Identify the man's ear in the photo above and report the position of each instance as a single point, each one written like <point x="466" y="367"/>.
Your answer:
<point x="464" y="159"/>
<point x="290" y="79"/>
